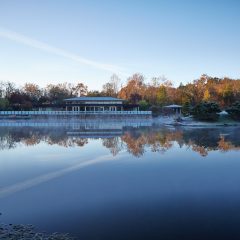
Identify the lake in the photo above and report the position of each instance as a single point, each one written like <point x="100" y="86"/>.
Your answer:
<point x="121" y="180"/>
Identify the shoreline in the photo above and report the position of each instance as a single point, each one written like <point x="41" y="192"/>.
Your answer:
<point x="190" y="122"/>
<point x="125" y="121"/>
<point x="21" y="231"/>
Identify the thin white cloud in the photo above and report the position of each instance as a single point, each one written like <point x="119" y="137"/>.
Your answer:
<point x="4" y="192"/>
<point x="57" y="51"/>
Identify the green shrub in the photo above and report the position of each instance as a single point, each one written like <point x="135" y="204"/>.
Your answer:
<point x="234" y="111"/>
<point x="186" y="109"/>
<point x="156" y="110"/>
<point x="4" y="104"/>
<point x="206" y="111"/>
<point x="143" y="105"/>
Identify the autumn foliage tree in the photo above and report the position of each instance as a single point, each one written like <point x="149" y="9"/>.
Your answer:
<point x="135" y="86"/>
<point x="154" y="93"/>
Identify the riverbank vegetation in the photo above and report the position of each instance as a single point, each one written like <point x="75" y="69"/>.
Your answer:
<point x="150" y="95"/>
<point x="206" y="111"/>
<point x="234" y="111"/>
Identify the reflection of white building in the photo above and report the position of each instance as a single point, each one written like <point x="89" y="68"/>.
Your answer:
<point x="94" y="104"/>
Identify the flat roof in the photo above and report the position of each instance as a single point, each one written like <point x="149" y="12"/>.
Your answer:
<point x="93" y="99"/>
<point x="173" y="106"/>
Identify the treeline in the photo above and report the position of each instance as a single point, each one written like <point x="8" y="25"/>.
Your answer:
<point x="30" y="95"/>
<point x="149" y="95"/>
<point x="160" y="91"/>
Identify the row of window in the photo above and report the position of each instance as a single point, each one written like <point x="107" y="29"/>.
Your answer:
<point x="93" y="102"/>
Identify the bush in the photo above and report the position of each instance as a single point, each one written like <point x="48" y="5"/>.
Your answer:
<point x="186" y="109"/>
<point x="143" y="105"/>
<point x="4" y="104"/>
<point x="156" y="110"/>
<point x="206" y="111"/>
<point x="234" y="111"/>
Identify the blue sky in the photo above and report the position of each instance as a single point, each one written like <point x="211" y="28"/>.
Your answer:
<point x="52" y="41"/>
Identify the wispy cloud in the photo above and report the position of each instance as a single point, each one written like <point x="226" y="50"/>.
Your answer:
<point x="4" y="192"/>
<point x="4" y="33"/>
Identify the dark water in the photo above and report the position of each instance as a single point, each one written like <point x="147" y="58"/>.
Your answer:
<point x="113" y="181"/>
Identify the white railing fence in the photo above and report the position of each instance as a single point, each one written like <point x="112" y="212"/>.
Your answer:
<point x="67" y="113"/>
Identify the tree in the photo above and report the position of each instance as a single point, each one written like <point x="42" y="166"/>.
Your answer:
<point x="227" y="94"/>
<point x="135" y="85"/>
<point x="200" y="86"/>
<point x="207" y="111"/>
<point x="80" y="90"/>
<point x="33" y="91"/>
<point x="94" y="94"/>
<point x="19" y="101"/>
<point x="186" y="108"/>
<point x="151" y="94"/>
<point x="57" y="93"/>
<point x="4" y="104"/>
<point x="135" y="98"/>
<point x="234" y="111"/>
<point x="206" y="96"/>
<point x="6" y="89"/>
<point x="162" y="95"/>
<point x="115" y="81"/>
<point x="108" y="90"/>
<point x="2" y="90"/>
<point x="143" y="105"/>
<point x="151" y="89"/>
<point x="111" y="88"/>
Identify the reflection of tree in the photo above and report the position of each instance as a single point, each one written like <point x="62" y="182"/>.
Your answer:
<point x="157" y="141"/>
<point x="11" y="138"/>
<point x="162" y="139"/>
<point x="225" y="146"/>
<point x="32" y="140"/>
<point x="135" y="140"/>
<point x="66" y="141"/>
<point x="81" y="141"/>
<point x="135" y="144"/>
<point x="114" y="144"/>
<point x="203" y="151"/>
<point x="6" y="142"/>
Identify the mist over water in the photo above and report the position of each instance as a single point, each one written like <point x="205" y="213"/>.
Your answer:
<point x="124" y="180"/>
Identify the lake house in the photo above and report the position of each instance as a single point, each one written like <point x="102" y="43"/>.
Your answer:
<point x="95" y="104"/>
<point x="81" y="107"/>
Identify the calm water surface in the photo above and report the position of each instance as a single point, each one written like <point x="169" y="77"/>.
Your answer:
<point x="114" y="181"/>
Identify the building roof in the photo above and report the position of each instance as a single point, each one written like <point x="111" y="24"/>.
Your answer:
<point x="173" y="106"/>
<point x="93" y="99"/>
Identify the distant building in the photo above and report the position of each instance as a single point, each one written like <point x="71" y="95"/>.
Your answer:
<point x="88" y="104"/>
<point x="95" y="104"/>
<point x="173" y="109"/>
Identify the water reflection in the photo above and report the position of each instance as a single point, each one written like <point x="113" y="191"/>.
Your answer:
<point x="62" y="177"/>
<point x="136" y="139"/>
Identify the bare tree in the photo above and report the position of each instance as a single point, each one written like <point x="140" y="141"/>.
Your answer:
<point x="111" y="88"/>
<point x="80" y="90"/>
<point x="6" y="89"/>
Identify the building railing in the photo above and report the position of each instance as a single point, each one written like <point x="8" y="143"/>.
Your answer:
<point x="66" y="113"/>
